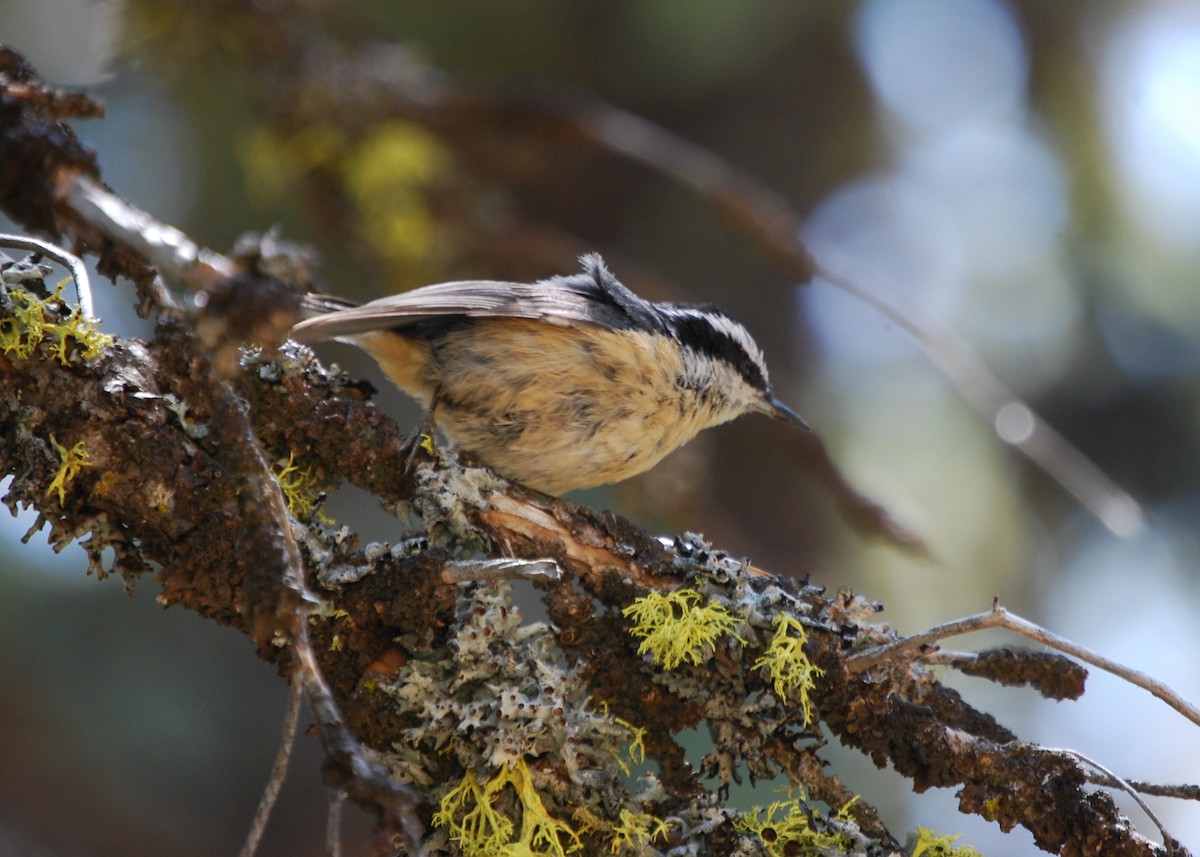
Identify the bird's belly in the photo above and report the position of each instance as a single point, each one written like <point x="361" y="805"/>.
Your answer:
<point x="557" y="410"/>
<point x="570" y="443"/>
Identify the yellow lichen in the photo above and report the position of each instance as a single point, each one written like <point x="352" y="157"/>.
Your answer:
<point x="635" y="828"/>
<point x="636" y="751"/>
<point x="785" y="828"/>
<point x="930" y="844"/>
<point x="676" y="627"/>
<point x="33" y="320"/>
<point x="299" y="489"/>
<point x="73" y="460"/>
<point x="791" y="671"/>
<point x="480" y="829"/>
<point x="471" y="815"/>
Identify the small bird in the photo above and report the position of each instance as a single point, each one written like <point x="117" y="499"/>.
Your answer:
<point x="565" y="383"/>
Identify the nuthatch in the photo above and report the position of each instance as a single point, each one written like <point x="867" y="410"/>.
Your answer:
<point x="565" y="383"/>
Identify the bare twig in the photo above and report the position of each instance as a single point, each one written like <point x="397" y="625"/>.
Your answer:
<point x="368" y="782"/>
<point x="1182" y="791"/>
<point x="999" y="617"/>
<point x="278" y="772"/>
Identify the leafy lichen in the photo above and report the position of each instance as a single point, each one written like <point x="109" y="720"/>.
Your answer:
<point x="496" y="699"/>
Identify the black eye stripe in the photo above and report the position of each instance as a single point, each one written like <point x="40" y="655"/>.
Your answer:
<point x="707" y="331"/>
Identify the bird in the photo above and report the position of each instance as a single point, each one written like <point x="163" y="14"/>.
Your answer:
<point x="566" y="383"/>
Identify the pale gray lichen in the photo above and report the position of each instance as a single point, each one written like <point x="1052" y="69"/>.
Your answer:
<point x="445" y="497"/>
<point x="499" y="699"/>
<point x="502" y="693"/>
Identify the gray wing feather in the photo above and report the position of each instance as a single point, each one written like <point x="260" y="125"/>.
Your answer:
<point x="594" y="297"/>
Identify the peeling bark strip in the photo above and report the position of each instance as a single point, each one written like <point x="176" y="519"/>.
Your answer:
<point x="176" y="448"/>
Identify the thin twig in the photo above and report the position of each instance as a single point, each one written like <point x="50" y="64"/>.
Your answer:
<point x="83" y="286"/>
<point x="278" y="772"/>
<point x="999" y="617"/>
<point x="333" y="823"/>
<point x="1182" y="791"/>
<point x="753" y="207"/>
<point x="365" y="781"/>
<point x="944" y="658"/>
<point x="373" y="784"/>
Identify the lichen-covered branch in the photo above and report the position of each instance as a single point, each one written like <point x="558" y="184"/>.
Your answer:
<point x="431" y="668"/>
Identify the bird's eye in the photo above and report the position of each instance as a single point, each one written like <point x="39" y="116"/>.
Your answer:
<point x="749" y="371"/>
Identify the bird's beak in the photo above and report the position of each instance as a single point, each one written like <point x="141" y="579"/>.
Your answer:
<point x="777" y="410"/>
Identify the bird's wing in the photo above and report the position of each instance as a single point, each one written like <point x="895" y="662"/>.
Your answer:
<point x="593" y="297"/>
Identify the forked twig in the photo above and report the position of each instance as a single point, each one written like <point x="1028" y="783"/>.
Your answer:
<point x="999" y="617"/>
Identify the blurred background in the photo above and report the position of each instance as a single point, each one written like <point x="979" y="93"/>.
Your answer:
<point x="1023" y="174"/>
